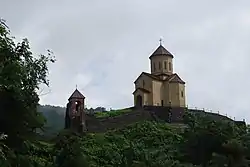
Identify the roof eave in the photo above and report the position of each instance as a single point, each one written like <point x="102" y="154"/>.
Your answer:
<point x="181" y="82"/>
<point x="141" y="89"/>
<point x="168" y="55"/>
<point x="76" y="98"/>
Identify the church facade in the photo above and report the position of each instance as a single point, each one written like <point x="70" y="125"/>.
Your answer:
<point x="160" y="87"/>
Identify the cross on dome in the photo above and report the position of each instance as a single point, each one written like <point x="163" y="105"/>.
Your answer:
<point x="161" y="41"/>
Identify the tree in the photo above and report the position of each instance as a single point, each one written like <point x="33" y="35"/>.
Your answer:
<point x="69" y="151"/>
<point x="205" y="136"/>
<point x="20" y="77"/>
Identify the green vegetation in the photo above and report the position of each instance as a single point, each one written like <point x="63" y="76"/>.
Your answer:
<point x="202" y="142"/>
<point x="112" y="113"/>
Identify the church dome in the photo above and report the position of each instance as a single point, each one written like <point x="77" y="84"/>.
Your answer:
<point x="161" y="51"/>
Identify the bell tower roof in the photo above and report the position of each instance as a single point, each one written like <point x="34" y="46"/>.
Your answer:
<point x="161" y="51"/>
<point x="76" y="95"/>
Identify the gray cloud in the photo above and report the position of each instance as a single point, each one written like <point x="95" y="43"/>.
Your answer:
<point x="103" y="47"/>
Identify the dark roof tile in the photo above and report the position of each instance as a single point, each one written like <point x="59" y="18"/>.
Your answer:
<point x="142" y="89"/>
<point x="176" y="78"/>
<point x="76" y="95"/>
<point x="171" y="78"/>
<point x="161" y="51"/>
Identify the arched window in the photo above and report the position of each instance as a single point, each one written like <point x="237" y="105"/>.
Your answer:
<point x="170" y="66"/>
<point x="165" y="65"/>
<point x="160" y="65"/>
<point x="77" y="106"/>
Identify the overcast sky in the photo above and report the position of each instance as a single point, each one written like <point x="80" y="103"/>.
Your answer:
<point x="103" y="46"/>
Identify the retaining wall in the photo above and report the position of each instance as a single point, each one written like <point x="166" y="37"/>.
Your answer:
<point x="156" y="113"/>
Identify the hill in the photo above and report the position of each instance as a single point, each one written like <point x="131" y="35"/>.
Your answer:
<point x="203" y="142"/>
<point x="54" y="118"/>
<point x="101" y="121"/>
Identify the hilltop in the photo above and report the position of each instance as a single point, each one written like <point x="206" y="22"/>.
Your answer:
<point x="101" y="121"/>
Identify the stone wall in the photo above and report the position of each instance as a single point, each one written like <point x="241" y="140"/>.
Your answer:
<point x="103" y="124"/>
<point x="155" y="113"/>
<point x="168" y="114"/>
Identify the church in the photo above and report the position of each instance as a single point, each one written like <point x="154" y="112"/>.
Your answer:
<point x="160" y="87"/>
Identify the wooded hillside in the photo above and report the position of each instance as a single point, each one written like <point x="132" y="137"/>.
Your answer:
<point x="203" y="141"/>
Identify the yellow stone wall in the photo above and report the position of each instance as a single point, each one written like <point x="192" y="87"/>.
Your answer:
<point x="161" y="64"/>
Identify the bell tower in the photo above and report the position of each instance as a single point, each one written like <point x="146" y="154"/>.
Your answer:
<point x="75" y="115"/>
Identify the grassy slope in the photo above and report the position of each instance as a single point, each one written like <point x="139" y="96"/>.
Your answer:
<point x="112" y="113"/>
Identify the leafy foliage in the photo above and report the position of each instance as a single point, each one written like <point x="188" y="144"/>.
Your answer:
<point x="20" y="77"/>
<point x="141" y="144"/>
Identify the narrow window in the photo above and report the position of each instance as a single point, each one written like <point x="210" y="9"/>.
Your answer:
<point x="162" y="103"/>
<point x="165" y="65"/>
<point x="143" y="83"/>
<point x="160" y="65"/>
<point x="182" y="94"/>
<point x="77" y="107"/>
<point x="169" y="66"/>
<point x="154" y="66"/>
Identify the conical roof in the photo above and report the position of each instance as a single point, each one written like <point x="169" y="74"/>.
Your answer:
<point x="76" y="95"/>
<point x="161" y="51"/>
